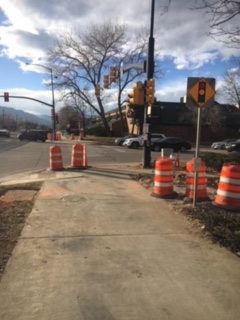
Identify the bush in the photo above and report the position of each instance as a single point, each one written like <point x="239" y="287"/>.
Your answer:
<point x="215" y="161"/>
<point x="97" y="131"/>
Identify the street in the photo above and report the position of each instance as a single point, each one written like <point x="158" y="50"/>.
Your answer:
<point x="22" y="156"/>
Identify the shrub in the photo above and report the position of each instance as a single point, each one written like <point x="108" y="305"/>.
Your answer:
<point x="97" y="131"/>
<point x="215" y="161"/>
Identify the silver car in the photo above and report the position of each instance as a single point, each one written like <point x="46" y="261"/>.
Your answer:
<point x="222" y="144"/>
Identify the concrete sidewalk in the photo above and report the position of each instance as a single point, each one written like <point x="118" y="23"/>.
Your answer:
<point x="97" y="246"/>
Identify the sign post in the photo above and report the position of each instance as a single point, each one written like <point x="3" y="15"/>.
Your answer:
<point x="201" y="93"/>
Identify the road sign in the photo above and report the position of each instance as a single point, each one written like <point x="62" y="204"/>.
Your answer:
<point x="201" y="92"/>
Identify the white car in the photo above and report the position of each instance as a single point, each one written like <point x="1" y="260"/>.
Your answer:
<point x="138" y="141"/>
<point x="222" y="144"/>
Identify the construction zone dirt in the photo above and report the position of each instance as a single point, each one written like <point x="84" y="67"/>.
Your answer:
<point x="16" y="202"/>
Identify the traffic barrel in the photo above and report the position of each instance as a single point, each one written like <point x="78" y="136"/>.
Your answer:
<point x="201" y="185"/>
<point x="55" y="158"/>
<point x="228" y="192"/>
<point x="79" y="157"/>
<point x="163" y="179"/>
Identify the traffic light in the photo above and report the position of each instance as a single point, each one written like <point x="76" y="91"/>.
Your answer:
<point x="149" y="91"/>
<point x="113" y="74"/>
<point x="201" y="91"/>
<point x="56" y="118"/>
<point x="105" y="81"/>
<point x="52" y="114"/>
<point x="6" y="96"/>
<point x="137" y="95"/>
<point x="97" y="90"/>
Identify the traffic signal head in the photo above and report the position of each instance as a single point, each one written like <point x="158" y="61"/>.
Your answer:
<point x="52" y="114"/>
<point x="113" y="74"/>
<point x="56" y="118"/>
<point x="149" y="91"/>
<point x="97" y="90"/>
<point x="105" y="81"/>
<point x="136" y="96"/>
<point x="201" y="91"/>
<point x="6" y="96"/>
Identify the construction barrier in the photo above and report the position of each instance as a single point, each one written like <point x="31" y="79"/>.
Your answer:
<point x="58" y="136"/>
<point x="49" y="136"/>
<point x="163" y="179"/>
<point x="228" y="192"/>
<point x="55" y="158"/>
<point x="79" y="157"/>
<point x="201" y="185"/>
<point x="81" y="136"/>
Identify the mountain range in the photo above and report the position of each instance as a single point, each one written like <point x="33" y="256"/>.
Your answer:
<point x="25" y="116"/>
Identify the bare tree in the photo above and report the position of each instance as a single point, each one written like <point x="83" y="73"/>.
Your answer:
<point x="68" y="115"/>
<point x="211" y="116"/>
<point x="81" y="110"/>
<point x="224" y="19"/>
<point x="231" y="87"/>
<point x="81" y="59"/>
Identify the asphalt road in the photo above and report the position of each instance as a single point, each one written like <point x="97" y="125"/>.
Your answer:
<point x="22" y="156"/>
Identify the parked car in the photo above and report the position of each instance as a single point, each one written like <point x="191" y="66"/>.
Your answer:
<point x="138" y="141"/>
<point x="222" y="144"/>
<point x="119" y="141"/>
<point x="4" y="133"/>
<point x="234" y="146"/>
<point x="172" y="143"/>
<point x="33" y="135"/>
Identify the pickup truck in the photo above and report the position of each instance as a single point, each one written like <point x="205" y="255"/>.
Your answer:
<point x="138" y="141"/>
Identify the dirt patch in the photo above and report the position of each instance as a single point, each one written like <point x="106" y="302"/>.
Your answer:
<point x="16" y="202"/>
<point x="218" y="224"/>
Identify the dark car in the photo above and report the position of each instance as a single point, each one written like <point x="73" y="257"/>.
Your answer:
<point x="234" y="146"/>
<point x="33" y="135"/>
<point x="4" y="133"/>
<point x="172" y="143"/>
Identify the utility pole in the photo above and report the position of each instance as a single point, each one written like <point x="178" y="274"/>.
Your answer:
<point x="150" y="72"/>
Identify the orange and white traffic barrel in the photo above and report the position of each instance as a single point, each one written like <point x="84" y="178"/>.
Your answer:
<point x="228" y="192"/>
<point x="78" y="159"/>
<point x="163" y="179"/>
<point x="201" y="185"/>
<point x="55" y="158"/>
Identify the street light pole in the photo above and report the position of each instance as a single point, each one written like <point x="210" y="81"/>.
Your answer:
<point x="53" y="100"/>
<point x="150" y="72"/>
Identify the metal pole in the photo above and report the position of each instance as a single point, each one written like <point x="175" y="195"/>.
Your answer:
<point x="196" y="156"/>
<point x="150" y="72"/>
<point x="53" y="100"/>
<point x="53" y="108"/>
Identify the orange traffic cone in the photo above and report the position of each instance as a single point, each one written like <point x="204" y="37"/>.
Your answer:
<point x="228" y="192"/>
<point x="177" y="161"/>
<point x="55" y="158"/>
<point x="201" y="193"/>
<point x="163" y="179"/>
<point x="78" y="159"/>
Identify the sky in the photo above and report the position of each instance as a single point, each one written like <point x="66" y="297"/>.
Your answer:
<point x="29" y="27"/>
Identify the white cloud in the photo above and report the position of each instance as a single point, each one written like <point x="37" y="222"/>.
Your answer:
<point x="29" y="27"/>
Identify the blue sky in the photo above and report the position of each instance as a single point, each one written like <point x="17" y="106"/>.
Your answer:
<point x="28" y="27"/>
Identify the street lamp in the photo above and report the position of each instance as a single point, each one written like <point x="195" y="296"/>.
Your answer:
<point x="53" y="100"/>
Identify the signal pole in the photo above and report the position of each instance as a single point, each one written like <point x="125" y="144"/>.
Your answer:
<point x="150" y="72"/>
